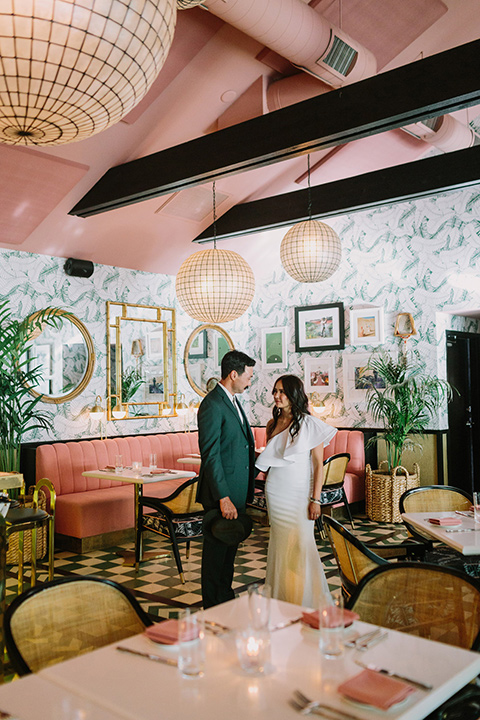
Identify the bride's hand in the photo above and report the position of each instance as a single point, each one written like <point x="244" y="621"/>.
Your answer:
<point x="313" y="511"/>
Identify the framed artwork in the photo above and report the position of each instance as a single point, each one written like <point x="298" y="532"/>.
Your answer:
<point x="319" y="327"/>
<point x="358" y="377"/>
<point x="155" y="385"/>
<point x="404" y="325"/>
<point x="220" y="347"/>
<point x="155" y="345"/>
<point x="199" y="346"/>
<point x="320" y="375"/>
<point x="274" y="348"/>
<point x="366" y="326"/>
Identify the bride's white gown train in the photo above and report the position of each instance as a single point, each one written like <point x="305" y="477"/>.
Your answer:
<point x="294" y="570"/>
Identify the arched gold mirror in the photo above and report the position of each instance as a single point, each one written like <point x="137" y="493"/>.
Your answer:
<point x="66" y="356"/>
<point x="203" y="355"/>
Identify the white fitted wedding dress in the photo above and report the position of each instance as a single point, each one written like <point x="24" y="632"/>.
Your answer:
<point x="294" y="570"/>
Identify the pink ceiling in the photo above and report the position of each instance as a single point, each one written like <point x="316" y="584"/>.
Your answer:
<point x="211" y="65"/>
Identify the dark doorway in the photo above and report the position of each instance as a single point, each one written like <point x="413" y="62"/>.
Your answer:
<point x="463" y="438"/>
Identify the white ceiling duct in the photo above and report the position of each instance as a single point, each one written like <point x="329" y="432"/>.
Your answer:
<point x="445" y="133"/>
<point x="296" y="32"/>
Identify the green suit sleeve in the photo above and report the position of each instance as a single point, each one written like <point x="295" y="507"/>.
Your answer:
<point x="210" y="422"/>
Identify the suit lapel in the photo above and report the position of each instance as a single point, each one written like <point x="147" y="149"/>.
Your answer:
<point x="245" y="425"/>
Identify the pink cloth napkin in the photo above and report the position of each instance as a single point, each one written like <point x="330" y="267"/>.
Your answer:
<point x="311" y="618"/>
<point x="158" y="471"/>
<point x="166" y="632"/>
<point x="109" y="467"/>
<point x="445" y="521"/>
<point x="371" y="688"/>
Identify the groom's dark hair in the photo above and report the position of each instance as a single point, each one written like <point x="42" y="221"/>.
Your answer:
<point x="235" y="360"/>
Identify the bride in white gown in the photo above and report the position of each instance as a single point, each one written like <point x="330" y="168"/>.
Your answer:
<point x="293" y="458"/>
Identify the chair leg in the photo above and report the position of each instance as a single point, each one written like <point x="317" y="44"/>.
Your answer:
<point x="51" y="547"/>
<point x="178" y="559"/>
<point x="34" y="557"/>
<point x="347" y="506"/>
<point x="20" y="562"/>
<point x="320" y="528"/>
<point x="187" y="553"/>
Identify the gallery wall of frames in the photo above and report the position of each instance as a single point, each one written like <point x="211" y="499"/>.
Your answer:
<point x="406" y="270"/>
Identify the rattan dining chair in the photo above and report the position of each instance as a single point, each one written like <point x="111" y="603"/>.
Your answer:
<point x="333" y="490"/>
<point x="430" y="601"/>
<point x="178" y="517"/>
<point x="69" y="617"/>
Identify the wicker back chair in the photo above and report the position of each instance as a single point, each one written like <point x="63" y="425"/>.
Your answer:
<point x="432" y="498"/>
<point x="333" y="491"/>
<point x="69" y="617"/>
<point x="178" y="517"/>
<point x="430" y="601"/>
<point x="354" y="558"/>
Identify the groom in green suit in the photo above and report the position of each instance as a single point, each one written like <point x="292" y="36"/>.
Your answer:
<point x="226" y="478"/>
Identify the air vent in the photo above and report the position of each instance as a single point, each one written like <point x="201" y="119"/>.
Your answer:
<point x="194" y="204"/>
<point x="341" y="57"/>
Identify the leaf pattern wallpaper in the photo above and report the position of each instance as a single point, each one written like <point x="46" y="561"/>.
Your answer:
<point x="418" y="257"/>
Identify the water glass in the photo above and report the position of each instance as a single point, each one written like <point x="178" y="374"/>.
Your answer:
<point x="332" y="625"/>
<point x="136" y="467"/>
<point x="118" y="464"/>
<point x="476" y="506"/>
<point x="259" y="597"/>
<point x="152" y="462"/>
<point x="191" y="636"/>
<point x="253" y="650"/>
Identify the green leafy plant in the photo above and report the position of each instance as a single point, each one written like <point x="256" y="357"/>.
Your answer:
<point x="131" y="381"/>
<point x="19" y="410"/>
<point x="406" y="404"/>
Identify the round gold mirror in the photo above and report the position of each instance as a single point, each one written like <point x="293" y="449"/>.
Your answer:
<point x="203" y="355"/>
<point x="65" y="355"/>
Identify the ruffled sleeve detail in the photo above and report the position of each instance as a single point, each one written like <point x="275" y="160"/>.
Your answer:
<point x="281" y="449"/>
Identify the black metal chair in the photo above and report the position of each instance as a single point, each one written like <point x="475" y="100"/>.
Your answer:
<point x="177" y="517"/>
<point x="333" y="490"/>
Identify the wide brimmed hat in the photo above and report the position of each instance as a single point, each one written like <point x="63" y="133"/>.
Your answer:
<point x="230" y="532"/>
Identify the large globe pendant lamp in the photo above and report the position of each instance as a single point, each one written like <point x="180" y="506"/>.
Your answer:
<point x="70" y="68"/>
<point x="311" y="250"/>
<point x="215" y="286"/>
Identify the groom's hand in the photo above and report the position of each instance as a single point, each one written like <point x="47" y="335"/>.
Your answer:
<point x="228" y="509"/>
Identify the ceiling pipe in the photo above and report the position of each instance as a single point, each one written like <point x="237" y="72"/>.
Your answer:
<point x="295" y="31"/>
<point x="445" y="133"/>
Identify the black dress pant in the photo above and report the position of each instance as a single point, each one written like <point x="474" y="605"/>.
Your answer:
<point x="217" y="571"/>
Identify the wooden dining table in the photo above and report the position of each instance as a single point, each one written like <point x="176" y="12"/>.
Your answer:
<point x="139" y="479"/>
<point x="465" y="538"/>
<point x="123" y="685"/>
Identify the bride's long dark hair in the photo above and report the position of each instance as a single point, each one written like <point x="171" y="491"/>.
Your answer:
<point x="295" y="392"/>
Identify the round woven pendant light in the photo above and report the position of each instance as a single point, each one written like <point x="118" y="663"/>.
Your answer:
<point x="310" y="251"/>
<point x="185" y="4"/>
<point x="71" y="69"/>
<point x="215" y="286"/>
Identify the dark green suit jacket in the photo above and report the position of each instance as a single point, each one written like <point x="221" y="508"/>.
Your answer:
<point x="228" y="452"/>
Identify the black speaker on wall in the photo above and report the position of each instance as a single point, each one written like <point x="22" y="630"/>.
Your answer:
<point x="78" y="268"/>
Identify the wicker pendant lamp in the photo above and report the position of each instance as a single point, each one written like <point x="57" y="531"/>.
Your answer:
<point x="311" y="250"/>
<point x="70" y="69"/>
<point x="215" y="286"/>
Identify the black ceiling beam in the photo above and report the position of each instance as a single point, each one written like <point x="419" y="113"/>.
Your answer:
<point x="433" y="86"/>
<point x="395" y="184"/>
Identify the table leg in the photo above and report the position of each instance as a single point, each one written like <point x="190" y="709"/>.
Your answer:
<point x="134" y="559"/>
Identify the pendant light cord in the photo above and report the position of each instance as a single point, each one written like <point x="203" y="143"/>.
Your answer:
<point x="309" y="189"/>
<point x="214" y="219"/>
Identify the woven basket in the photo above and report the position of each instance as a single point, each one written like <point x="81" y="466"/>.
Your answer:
<point x="384" y="490"/>
<point x="12" y="552"/>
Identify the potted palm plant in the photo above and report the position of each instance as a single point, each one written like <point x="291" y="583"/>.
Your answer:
<point x="20" y="411"/>
<point x="403" y="398"/>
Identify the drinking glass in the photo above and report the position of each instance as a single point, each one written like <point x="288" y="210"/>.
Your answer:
<point x="136" y="467"/>
<point x="253" y="650"/>
<point x="476" y="506"/>
<point x="152" y="462"/>
<point x="191" y="636"/>
<point x="332" y="625"/>
<point x="118" y="464"/>
<point x="259" y="597"/>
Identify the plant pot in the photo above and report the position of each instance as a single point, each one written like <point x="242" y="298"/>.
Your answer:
<point x="383" y="491"/>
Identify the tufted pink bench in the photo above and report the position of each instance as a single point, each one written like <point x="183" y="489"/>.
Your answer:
<point x="345" y="441"/>
<point x="94" y="513"/>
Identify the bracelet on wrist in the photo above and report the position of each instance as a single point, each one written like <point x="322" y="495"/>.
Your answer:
<point x="314" y="500"/>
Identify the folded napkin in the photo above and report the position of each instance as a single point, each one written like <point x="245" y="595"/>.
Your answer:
<point x="334" y="619"/>
<point x="372" y="688"/>
<point x="166" y="632"/>
<point x="109" y="467"/>
<point x="445" y="521"/>
<point x="159" y="471"/>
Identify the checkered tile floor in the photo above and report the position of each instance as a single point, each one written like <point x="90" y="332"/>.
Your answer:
<point x="157" y="584"/>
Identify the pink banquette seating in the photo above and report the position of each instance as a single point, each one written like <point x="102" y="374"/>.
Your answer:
<point x="101" y="510"/>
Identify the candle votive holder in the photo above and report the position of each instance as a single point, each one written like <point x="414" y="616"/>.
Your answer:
<point x="253" y="650"/>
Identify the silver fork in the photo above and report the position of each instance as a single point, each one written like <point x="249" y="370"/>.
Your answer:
<point x="305" y="706"/>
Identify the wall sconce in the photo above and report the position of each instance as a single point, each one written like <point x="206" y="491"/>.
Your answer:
<point x="97" y="414"/>
<point x="181" y="407"/>
<point x="317" y="406"/>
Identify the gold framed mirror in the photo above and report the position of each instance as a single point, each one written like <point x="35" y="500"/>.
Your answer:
<point x="203" y="355"/>
<point x="66" y="355"/>
<point x="141" y="361"/>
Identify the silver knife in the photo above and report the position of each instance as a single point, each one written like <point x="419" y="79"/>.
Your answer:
<point x="150" y="656"/>
<point x="390" y="673"/>
<point x="217" y="627"/>
<point x="287" y="623"/>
